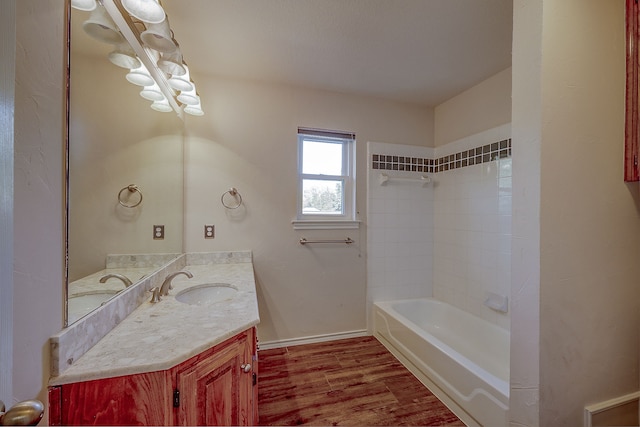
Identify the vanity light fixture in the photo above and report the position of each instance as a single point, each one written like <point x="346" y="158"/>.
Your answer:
<point x="148" y="49"/>
<point x="124" y="56"/>
<point x="152" y="93"/>
<point x="101" y="27"/>
<point x="194" y="110"/>
<point x="162" y="106"/>
<point x="159" y="37"/>
<point x="145" y="10"/>
<point x="171" y="63"/>
<point x="140" y="76"/>
<point x="86" y="5"/>
<point x="189" y="97"/>
<point x="183" y="82"/>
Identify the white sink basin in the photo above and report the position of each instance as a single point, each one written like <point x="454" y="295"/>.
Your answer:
<point x="207" y="293"/>
<point x="81" y="304"/>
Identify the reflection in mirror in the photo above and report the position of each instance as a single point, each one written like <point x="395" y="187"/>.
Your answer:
<point x="115" y="141"/>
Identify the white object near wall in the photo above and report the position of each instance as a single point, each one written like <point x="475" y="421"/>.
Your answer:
<point x="497" y="302"/>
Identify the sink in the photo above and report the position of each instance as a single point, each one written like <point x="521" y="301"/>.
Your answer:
<point x="81" y="304"/>
<point x="206" y="294"/>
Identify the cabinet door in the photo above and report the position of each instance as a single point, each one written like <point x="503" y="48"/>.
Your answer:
<point x="210" y="389"/>
<point x="142" y="399"/>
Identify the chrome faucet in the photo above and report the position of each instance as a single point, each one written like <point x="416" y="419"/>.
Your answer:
<point x="124" y="279"/>
<point x="166" y="285"/>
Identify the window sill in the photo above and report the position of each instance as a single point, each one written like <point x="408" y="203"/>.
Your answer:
<point x="319" y="224"/>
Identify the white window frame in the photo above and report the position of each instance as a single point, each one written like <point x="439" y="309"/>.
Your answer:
<point x="330" y="221"/>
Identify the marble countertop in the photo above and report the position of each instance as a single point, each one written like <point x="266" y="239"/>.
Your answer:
<point x="158" y="336"/>
<point x="91" y="283"/>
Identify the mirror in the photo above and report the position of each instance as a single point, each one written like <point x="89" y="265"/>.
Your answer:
<point x="125" y="177"/>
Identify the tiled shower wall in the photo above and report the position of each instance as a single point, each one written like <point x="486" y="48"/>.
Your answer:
<point x="399" y="229"/>
<point x="450" y="239"/>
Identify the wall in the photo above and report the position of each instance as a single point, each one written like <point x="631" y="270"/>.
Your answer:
<point x="7" y="86"/>
<point x="589" y="218"/>
<point x="451" y="238"/>
<point x="481" y="107"/>
<point x="526" y="130"/>
<point x="472" y="224"/>
<point x="575" y="307"/>
<point x="117" y="141"/>
<point x="399" y="224"/>
<point x="38" y="201"/>
<point x="247" y="140"/>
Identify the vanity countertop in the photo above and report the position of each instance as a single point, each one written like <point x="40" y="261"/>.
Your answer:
<point x="158" y="336"/>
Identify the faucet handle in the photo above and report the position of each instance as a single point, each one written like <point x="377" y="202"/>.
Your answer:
<point x="155" y="297"/>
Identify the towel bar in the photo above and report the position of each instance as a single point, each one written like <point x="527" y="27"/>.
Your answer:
<point x="348" y="241"/>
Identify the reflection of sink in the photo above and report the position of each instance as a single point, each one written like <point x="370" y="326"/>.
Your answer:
<point x="81" y="304"/>
<point x="206" y="294"/>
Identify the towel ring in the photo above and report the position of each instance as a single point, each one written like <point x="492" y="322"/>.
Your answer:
<point x="234" y="193"/>
<point x="132" y="188"/>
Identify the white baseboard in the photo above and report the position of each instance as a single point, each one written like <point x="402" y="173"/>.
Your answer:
<point x="266" y="345"/>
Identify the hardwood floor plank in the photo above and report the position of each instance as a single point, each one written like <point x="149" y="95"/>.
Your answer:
<point x="344" y="382"/>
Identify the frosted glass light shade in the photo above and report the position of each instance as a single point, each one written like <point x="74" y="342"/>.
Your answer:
<point x="162" y="106"/>
<point x="158" y="37"/>
<point x="145" y="10"/>
<point x="171" y="63"/>
<point x="124" y="56"/>
<point x="194" y="110"/>
<point x="85" y="5"/>
<point x="101" y="27"/>
<point x="152" y="93"/>
<point x="189" y="97"/>
<point x="181" y="83"/>
<point x="140" y="76"/>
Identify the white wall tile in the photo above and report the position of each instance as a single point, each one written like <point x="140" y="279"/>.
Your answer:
<point x="450" y="240"/>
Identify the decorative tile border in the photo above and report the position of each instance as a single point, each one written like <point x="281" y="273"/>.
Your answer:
<point x="473" y="156"/>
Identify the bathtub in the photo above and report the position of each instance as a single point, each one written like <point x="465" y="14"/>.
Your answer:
<point x="461" y="358"/>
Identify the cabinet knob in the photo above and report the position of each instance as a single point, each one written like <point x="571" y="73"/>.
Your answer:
<point x="246" y="367"/>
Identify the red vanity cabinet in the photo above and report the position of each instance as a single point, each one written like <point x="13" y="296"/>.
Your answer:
<point x="215" y="387"/>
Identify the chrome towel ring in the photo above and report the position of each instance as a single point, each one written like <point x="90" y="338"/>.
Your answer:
<point x="237" y="199"/>
<point x="131" y="188"/>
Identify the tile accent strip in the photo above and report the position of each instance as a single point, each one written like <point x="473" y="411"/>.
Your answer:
<point x="473" y="156"/>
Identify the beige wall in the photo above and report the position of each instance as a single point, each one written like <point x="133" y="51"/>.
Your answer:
<point x="39" y="197"/>
<point x="581" y="300"/>
<point x="247" y="139"/>
<point x="590" y="229"/>
<point x="116" y="139"/>
<point x="481" y="107"/>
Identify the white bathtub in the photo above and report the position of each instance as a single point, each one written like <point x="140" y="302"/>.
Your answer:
<point x="463" y="359"/>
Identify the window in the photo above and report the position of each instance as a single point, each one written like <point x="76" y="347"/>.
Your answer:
<point x="326" y="176"/>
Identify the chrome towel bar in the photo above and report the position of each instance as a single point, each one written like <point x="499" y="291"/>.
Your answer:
<point x="348" y="241"/>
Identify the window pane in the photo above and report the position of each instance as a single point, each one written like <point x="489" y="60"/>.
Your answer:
<point x="321" y="158"/>
<point x="322" y="197"/>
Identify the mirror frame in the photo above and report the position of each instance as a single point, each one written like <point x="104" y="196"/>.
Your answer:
<point x="632" y="101"/>
<point x="67" y="107"/>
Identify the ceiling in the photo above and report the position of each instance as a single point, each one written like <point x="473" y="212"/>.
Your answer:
<point x="419" y="51"/>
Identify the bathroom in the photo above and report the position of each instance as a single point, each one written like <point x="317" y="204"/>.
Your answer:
<point x="575" y="246"/>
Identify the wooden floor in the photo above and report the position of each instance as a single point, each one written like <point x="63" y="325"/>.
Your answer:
<point x="353" y="382"/>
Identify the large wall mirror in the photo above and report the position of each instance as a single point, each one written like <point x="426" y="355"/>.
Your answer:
<point x="125" y="177"/>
